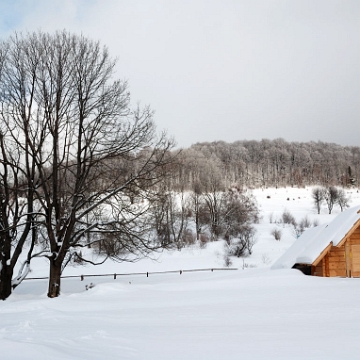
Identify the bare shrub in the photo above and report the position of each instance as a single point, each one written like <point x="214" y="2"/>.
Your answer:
<point x="288" y="218"/>
<point x="315" y="223"/>
<point x="243" y="244"/>
<point x="276" y="233"/>
<point x="299" y="229"/>
<point x="297" y="232"/>
<point x="188" y="237"/>
<point x="109" y="246"/>
<point x="247" y="265"/>
<point x="305" y="222"/>
<point x="203" y="240"/>
<point x="227" y="260"/>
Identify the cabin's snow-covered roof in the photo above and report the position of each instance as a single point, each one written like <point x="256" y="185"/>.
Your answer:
<point x="312" y="242"/>
<point x="289" y="258"/>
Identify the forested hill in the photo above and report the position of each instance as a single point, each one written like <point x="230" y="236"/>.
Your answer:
<point x="271" y="163"/>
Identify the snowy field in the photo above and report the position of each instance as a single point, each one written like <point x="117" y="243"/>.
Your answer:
<point x="250" y="313"/>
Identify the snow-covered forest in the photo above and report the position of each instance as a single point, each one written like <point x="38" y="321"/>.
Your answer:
<point x="274" y="163"/>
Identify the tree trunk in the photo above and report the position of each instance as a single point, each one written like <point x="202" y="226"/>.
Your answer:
<point x="197" y="220"/>
<point x="54" y="279"/>
<point x="318" y="207"/>
<point x="5" y="281"/>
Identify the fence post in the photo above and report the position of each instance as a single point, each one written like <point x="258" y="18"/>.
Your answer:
<point x="114" y="276"/>
<point x="147" y="274"/>
<point x="180" y="272"/>
<point x="82" y="277"/>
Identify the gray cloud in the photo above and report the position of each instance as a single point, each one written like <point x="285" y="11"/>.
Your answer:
<point x="226" y="70"/>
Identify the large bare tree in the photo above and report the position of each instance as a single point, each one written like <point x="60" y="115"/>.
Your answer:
<point x="16" y="215"/>
<point x="17" y="166"/>
<point x="89" y="150"/>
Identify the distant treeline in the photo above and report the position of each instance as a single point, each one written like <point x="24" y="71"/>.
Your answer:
<point x="267" y="163"/>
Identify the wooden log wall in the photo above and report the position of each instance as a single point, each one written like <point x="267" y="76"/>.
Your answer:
<point x="334" y="263"/>
<point x="342" y="261"/>
<point x="354" y="248"/>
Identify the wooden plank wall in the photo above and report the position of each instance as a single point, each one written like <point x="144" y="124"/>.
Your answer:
<point x="354" y="244"/>
<point x="355" y="237"/>
<point x="345" y="260"/>
<point x="341" y="261"/>
<point x="336" y="262"/>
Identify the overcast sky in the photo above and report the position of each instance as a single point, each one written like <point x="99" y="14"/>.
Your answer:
<point x="224" y="69"/>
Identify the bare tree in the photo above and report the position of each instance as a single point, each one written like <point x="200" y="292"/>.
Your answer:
<point x="198" y="165"/>
<point x="238" y="213"/>
<point x="196" y="200"/>
<point x="17" y="167"/>
<point x="79" y="125"/>
<point x="331" y="196"/>
<point x="342" y="199"/>
<point x="171" y="217"/>
<point x="213" y="197"/>
<point x="16" y="218"/>
<point x="318" y="197"/>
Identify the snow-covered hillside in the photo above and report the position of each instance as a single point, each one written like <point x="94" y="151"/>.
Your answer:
<point x="252" y="312"/>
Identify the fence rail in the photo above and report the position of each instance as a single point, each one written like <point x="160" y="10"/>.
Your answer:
<point x="148" y="273"/>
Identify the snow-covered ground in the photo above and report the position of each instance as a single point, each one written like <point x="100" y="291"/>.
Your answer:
<point x="251" y="313"/>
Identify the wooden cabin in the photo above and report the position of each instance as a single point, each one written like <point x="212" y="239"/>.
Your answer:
<point x="329" y="250"/>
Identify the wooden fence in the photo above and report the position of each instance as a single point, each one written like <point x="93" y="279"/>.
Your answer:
<point x="147" y="274"/>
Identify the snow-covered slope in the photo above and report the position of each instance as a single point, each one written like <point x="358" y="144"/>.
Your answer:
<point x="253" y="312"/>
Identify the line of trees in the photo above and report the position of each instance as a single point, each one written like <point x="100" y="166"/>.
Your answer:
<point x="331" y="196"/>
<point x="182" y="218"/>
<point x="273" y="163"/>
